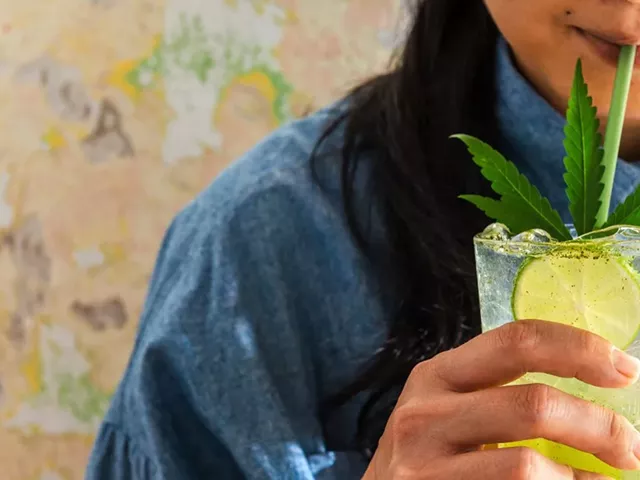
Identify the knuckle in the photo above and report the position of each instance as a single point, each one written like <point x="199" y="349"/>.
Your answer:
<point x="436" y="368"/>
<point x="421" y="374"/>
<point x="537" y="403"/>
<point x="525" y="464"/>
<point x="404" y="424"/>
<point x="413" y="422"/>
<point x="402" y="472"/>
<point x="588" y="343"/>
<point x="520" y="336"/>
<point x="420" y="370"/>
<point x="432" y="370"/>
<point x="618" y="430"/>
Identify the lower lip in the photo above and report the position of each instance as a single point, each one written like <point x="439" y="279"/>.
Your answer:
<point x="609" y="52"/>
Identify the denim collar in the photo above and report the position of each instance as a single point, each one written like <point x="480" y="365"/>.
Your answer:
<point x="532" y="134"/>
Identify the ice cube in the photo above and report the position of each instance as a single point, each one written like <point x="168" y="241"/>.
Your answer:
<point x="628" y="233"/>
<point x="495" y="231"/>
<point x="536" y="235"/>
<point x="531" y="242"/>
<point x="627" y="244"/>
<point x="606" y="234"/>
<point x="625" y="240"/>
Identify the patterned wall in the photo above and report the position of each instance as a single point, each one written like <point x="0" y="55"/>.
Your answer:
<point x="113" y="114"/>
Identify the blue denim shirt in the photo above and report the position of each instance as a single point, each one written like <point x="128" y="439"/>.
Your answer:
<point x="260" y="305"/>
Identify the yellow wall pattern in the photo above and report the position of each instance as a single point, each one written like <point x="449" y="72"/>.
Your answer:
<point x="113" y="114"/>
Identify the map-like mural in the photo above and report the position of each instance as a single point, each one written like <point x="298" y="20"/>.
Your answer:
<point x="113" y="115"/>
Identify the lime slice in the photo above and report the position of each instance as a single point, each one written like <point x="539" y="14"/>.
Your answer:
<point x="593" y="290"/>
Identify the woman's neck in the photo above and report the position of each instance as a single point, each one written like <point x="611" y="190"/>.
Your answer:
<point x="630" y="145"/>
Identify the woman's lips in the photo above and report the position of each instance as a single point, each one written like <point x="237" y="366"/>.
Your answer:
<point x="608" y="46"/>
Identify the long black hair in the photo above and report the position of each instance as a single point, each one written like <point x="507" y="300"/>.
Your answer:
<point x="441" y="83"/>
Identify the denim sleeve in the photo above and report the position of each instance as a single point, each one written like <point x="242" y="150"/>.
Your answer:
<point x="220" y="383"/>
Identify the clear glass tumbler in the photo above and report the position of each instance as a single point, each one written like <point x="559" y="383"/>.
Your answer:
<point x="591" y="282"/>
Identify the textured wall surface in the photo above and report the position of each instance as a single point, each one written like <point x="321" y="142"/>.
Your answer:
<point x="113" y="114"/>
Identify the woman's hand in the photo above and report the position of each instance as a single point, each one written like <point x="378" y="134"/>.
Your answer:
<point x="451" y="406"/>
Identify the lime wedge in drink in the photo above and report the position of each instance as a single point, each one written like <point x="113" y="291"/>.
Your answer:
<point x="588" y="287"/>
<point x="584" y="287"/>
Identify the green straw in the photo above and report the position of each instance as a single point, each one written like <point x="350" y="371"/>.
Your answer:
<point x="613" y="133"/>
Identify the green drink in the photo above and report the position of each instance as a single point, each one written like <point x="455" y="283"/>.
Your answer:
<point x="586" y="277"/>
<point x="589" y="283"/>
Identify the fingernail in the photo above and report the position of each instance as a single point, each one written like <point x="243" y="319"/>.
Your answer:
<point x="626" y="364"/>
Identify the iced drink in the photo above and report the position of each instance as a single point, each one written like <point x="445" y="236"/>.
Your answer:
<point x="591" y="282"/>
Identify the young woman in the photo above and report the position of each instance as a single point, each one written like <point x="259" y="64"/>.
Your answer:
<point x="311" y="314"/>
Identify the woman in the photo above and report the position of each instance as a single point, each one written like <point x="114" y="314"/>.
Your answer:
<point x="310" y="312"/>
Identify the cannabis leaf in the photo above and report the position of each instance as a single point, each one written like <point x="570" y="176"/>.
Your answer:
<point x="501" y="211"/>
<point x="589" y="169"/>
<point x="628" y="212"/>
<point x="583" y="163"/>
<point x="521" y="206"/>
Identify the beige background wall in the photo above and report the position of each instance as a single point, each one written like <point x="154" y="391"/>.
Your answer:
<point x="113" y="114"/>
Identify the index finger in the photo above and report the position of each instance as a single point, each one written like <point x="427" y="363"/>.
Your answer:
<point x="507" y="353"/>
